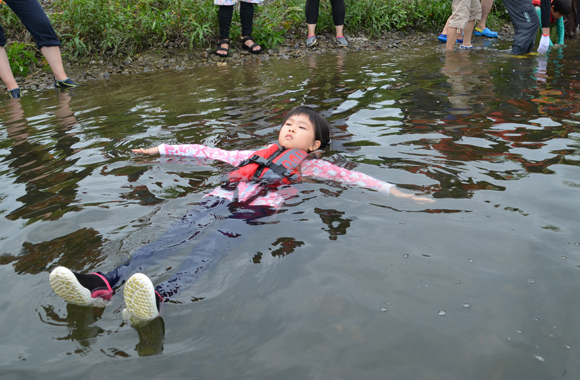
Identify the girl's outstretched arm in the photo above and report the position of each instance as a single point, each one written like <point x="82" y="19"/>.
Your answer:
<point x="232" y="157"/>
<point x="152" y="151"/>
<point x="326" y="170"/>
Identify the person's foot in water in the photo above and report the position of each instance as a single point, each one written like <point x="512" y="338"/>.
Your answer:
<point x="81" y="289"/>
<point x="64" y="84"/>
<point x="142" y="301"/>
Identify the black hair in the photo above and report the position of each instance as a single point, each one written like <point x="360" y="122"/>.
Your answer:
<point x="321" y="125"/>
<point x="562" y="6"/>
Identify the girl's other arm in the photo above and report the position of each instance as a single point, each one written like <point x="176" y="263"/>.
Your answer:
<point x="326" y="170"/>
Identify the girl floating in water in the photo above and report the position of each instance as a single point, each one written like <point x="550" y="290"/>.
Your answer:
<point x="253" y="191"/>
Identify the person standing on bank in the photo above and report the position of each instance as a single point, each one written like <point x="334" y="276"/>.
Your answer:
<point x="338" y="13"/>
<point x="225" y="15"/>
<point x="36" y="21"/>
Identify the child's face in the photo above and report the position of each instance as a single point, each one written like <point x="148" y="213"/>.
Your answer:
<point x="298" y="133"/>
<point x="556" y="14"/>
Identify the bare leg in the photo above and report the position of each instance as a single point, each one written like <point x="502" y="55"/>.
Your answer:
<point x="485" y="9"/>
<point x="311" y="29"/>
<point x="339" y="30"/>
<point x="5" y="71"/>
<point x="446" y="28"/>
<point x="54" y="59"/>
<point x="468" y="32"/>
<point x="451" y="37"/>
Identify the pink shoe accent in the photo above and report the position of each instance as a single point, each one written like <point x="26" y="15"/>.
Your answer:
<point x="102" y="293"/>
<point x="312" y="36"/>
<point x="105" y="294"/>
<point x="162" y="302"/>
<point x="340" y="37"/>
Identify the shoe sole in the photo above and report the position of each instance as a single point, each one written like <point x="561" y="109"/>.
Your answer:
<point x="140" y="300"/>
<point x="66" y="286"/>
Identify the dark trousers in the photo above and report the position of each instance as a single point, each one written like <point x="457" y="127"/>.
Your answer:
<point x="204" y="236"/>
<point x="338" y="11"/>
<point x="35" y="20"/>
<point x="226" y="13"/>
<point x="526" y="23"/>
<point x="571" y="20"/>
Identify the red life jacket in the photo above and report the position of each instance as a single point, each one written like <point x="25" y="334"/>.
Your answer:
<point x="273" y="165"/>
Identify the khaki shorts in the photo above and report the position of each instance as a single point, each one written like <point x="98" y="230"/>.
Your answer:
<point x="464" y="11"/>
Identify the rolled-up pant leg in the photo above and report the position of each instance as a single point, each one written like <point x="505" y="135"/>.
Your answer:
<point x="35" y="20"/>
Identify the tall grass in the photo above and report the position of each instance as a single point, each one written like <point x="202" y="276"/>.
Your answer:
<point x="130" y="25"/>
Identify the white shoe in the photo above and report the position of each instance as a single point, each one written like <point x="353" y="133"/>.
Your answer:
<point x="66" y="285"/>
<point x="140" y="300"/>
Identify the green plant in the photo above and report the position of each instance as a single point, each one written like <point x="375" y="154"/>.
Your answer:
<point x="21" y="56"/>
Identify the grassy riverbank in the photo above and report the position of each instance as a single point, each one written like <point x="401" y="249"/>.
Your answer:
<point x="90" y="29"/>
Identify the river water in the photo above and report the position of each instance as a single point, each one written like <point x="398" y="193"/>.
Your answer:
<point x="346" y="283"/>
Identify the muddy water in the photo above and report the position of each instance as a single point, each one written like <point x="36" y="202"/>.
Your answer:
<point x="347" y="283"/>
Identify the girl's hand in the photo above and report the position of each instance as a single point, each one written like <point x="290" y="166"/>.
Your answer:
<point x="399" y="194"/>
<point x="151" y="151"/>
<point x="422" y="200"/>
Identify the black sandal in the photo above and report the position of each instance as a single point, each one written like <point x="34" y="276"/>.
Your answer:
<point x="227" y="49"/>
<point x="251" y="48"/>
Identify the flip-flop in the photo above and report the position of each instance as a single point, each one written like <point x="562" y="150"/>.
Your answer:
<point x="485" y="32"/>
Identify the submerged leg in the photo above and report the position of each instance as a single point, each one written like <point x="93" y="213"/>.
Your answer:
<point x="95" y="289"/>
<point x="216" y="245"/>
<point x="187" y="231"/>
<point x="144" y="302"/>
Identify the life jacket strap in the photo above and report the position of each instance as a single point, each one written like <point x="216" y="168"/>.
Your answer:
<point x="266" y="162"/>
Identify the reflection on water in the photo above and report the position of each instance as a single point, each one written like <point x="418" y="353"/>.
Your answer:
<point x="345" y="283"/>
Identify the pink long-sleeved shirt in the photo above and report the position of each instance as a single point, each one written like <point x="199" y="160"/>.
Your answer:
<point x="309" y="168"/>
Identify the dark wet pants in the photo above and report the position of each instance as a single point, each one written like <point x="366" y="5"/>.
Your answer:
<point x="35" y="20"/>
<point x="526" y="23"/>
<point x="571" y="20"/>
<point x="204" y="236"/>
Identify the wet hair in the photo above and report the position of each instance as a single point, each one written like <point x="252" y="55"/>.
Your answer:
<point x="562" y="6"/>
<point x="321" y="125"/>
